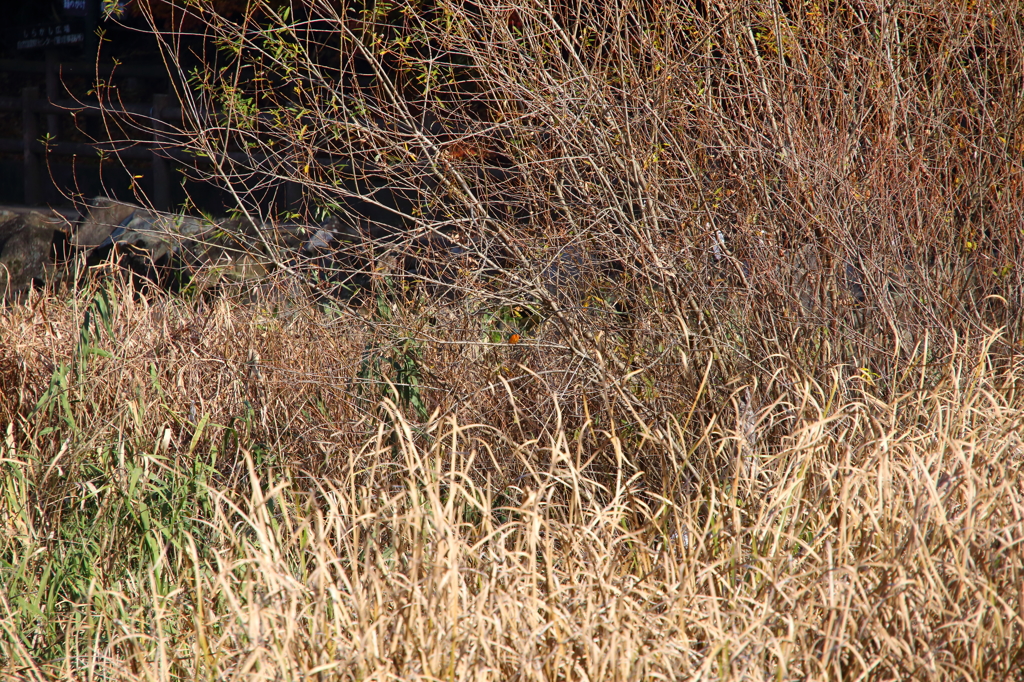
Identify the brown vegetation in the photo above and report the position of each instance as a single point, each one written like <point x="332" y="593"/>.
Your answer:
<point x="763" y="419"/>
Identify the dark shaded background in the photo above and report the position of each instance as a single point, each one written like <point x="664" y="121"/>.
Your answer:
<point x="128" y="58"/>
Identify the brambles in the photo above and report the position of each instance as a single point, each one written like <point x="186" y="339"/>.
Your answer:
<point x="769" y="170"/>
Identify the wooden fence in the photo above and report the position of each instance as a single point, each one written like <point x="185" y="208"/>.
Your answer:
<point x="40" y="126"/>
<point x="34" y="147"/>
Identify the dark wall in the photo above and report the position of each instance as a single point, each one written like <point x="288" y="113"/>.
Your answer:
<point x="51" y="45"/>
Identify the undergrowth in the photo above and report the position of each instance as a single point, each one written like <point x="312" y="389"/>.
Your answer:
<point x="181" y="506"/>
<point x="616" y="341"/>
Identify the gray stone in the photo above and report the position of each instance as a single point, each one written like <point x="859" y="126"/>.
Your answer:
<point x="26" y="250"/>
<point x="103" y="217"/>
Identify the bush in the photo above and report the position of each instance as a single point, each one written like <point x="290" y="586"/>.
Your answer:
<point x="640" y="192"/>
<point x="761" y="418"/>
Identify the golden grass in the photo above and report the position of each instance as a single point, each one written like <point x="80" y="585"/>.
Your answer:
<point x="207" y="495"/>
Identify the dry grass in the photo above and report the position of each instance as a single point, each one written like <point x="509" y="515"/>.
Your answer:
<point x="190" y="505"/>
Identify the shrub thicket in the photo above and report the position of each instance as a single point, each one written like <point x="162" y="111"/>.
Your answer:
<point x="761" y="420"/>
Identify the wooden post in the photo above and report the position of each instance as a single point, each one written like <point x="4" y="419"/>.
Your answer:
<point x="50" y="194"/>
<point x="161" y="168"/>
<point x="29" y="133"/>
<point x="52" y="84"/>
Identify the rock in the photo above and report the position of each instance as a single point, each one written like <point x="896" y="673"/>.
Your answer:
<point x="158" y="235"/>
<point x="27" y="250"/>
<point x="855" y="282"/>
<point x="238" y="269"/>
<point x="103" y="217"/>
<point x="563" y="276"/>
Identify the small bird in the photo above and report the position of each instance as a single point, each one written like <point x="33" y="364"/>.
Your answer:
<point x="515" y="337"/>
